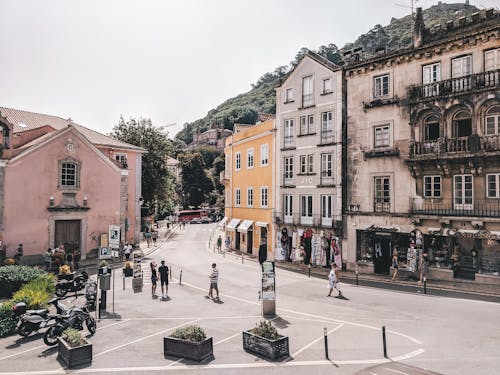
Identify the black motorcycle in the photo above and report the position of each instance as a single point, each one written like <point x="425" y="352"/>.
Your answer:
<point x="33" y="320"/>
<point x="72" y="318"/>
<point x="75" y="285"/>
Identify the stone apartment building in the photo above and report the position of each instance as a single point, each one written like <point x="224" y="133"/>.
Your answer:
<point x="423" y="166"/>
<point x="309" y="159"/>
<point x="214" y="137"/>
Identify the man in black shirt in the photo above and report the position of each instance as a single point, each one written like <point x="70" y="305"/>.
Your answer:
<point x="163" y="270"/>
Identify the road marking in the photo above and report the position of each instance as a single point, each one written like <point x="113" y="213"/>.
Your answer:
<point x="315" y="341"/>
<point x="396" y="371"/>
<point x="114" y="324"/>
<point x="228" y="338"/>
<point x="24" y="351"/>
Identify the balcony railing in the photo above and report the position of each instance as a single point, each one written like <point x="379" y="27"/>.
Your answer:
<point x="288" y="141"/>
<point x="288" y="179"/>
<point x="466" y="145"/>
<point x="326" y="137"/>
<point x="307" y="100"/>
<point x="326" y="178"/>
<point x="456" y="86"/>
<point x="449" y="207"/>
<point x="315" y="220"/>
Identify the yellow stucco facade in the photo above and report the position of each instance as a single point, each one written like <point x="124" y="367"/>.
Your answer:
<point x="249" y="187"/>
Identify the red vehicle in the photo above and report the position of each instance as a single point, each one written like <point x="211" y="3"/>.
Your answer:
<point x="188" y="215"/>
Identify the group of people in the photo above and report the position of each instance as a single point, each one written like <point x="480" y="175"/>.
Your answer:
<point x="54" y="258"/>
<point x="163" y="272"/>
<point x="151" y="236"/>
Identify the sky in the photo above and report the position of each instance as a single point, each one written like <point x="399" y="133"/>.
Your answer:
<point x="168" y="60"/>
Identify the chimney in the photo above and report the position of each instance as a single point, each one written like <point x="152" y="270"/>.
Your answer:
<point x="418" y="29"/>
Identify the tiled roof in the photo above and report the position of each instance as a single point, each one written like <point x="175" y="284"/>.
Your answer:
<point x="24" y="121"/>
<point x="263" y="117"/>
<point x="240" y="127"/>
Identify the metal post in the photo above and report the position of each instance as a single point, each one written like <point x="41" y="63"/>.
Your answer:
<point x="357" y="275"/>
<point x="180" y="278"/>
<point x="241" y="258"/>
<point x="123" y="277"/>
<point x="171" y="272"/>
<point x="309" y="269"/>
<point x="326" y="343"/>
<point x="384" y="341"/>
<point x="113" y="292"/>
<point x="425" y="285"/>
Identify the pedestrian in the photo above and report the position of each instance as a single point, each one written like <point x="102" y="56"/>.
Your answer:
<point x="424" y="267"/>
<point x="228" y="243"/>
<point x="127" y="250"/>
<point x="69" y="260"/>
<point x="19" y="253"/>
<point x="219" y="244"/>
<point x="214" y="279"/>
<point x="154" y="278"/>
<point x="395" y="264"/>
<point x="76" y="258"/>
<point x="147" y="235"/>
<point x="154" y="236"/>
<point x="47" y="258"/>
<point x="333" y="280"/>
<point x="163" y="270"/>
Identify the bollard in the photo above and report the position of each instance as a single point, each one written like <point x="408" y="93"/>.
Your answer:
<point x="171" y="271"/>
<point x="357" y="276"/>
<point x="259" y="294"/>
<point x="180" y="278"/>
<point x="309" y="269"/>
<point x="425" y="285"/>
<point x="241" y="258"/>
<point x="384" y="341"/>
<point x="224" y="253"/>
<point x="326" y="343"/>
<point x="123" y="281"/>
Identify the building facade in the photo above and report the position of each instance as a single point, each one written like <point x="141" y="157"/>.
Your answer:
<point x="62" y="183"/>
<point x="214" y="137"/>
<point x="423" y="153"/>
<point x="308" y="191"/>
<point x="249" y="188"/>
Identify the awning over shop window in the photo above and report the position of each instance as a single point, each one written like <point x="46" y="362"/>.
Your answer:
<point x="233" y="224"/>
<point x="245" y="225"/>
<point x="223" y="221"/>
<point x="261" y="224"/>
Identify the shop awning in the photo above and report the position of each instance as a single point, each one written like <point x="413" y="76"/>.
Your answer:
<point x="468" y="231"/>
<point x="223" y="221"/>
<point x="261" y="224"/>
<point x="233" y="224"/>
<point x="245" y="225"/>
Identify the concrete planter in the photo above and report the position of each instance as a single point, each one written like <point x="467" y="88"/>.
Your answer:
<point x="270" y="349"/>
<point x="128" y="272"/>
<point x="197" y="351"/>
<point x="80" y="355"/>
<point x="137" y="283"/>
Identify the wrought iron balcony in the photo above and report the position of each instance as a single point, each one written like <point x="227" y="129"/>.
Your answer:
<point x="327" y="178"/>
<point x="289" y="141"/>
<point x="288" y="180"/>
<point x="456" y="86"/>
<point x="452" y="146"/>
<point x="327" y="137"/>
<point x="307" y="100"/>
<point x="451" y="207"/>
<point x="316" y="220"/>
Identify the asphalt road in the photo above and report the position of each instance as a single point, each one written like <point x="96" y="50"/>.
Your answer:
<point x="425" y="334"/>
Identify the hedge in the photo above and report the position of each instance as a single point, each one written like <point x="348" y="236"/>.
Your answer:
<point x="36" y="293"/>
<point x="13" y="277"/>
<point x="8" y="319"/>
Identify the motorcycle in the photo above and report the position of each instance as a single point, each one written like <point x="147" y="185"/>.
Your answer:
<point x="33" y="320"/>
<point x="72" y="318"/>
<point x="75" y="285"/>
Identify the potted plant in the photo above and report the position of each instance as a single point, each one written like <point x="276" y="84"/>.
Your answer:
<point x="103" y="268"/>
<point x="188" y="342"/>
<point x="65" y="273"/>
<point x="265" y="340"/>
<point x="127" y="270"/>
<point x="74" y="349"/>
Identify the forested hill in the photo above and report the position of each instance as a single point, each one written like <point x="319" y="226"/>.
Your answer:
<point x="261" y="98"/>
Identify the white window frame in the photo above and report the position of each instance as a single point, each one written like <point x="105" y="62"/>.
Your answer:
<point x="381" y="86"/>
<point x="310" y="163"/>
<point x="495" y="179"/>
<point x="237" y="197"/>
<point x="289" y="95"/>
<point x="264" y="155"/>
<point x="306" y="209"/>
<point x="310" y="124"/>
<point x="121" y="158"/>
<point x="303" y="125"/>
<point x="383" y="140"/>
<point x="327" y="85"/>
<point x="69" y="169"/>
<point x="250" y="197"/>
<point x="264" y="196"/>
<point x="431" y="74"/>
<point x="288" y="208"/>
<point x="327" y="168"/>
<point x="461" y="200"/>
<point x="238" y="161"/>
<point x="288" y="169"/>
<point x="382" y="198"/>
<point x="461" y="66"/>
<point x="492" y="59"/>
<point x="492" y="120"/>
<point x="250" y="158"/>
<point x="288" y="133"/>
<point x="432" y="181"/>
<point x="307" y="91"/>
<point x="326" y="210"/>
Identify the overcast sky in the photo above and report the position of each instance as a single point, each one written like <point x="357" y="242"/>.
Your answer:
<point x="168" y="60"/>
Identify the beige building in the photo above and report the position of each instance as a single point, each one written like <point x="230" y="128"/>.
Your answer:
<point x="423" y="171"/>
<point x="214" y="137"/>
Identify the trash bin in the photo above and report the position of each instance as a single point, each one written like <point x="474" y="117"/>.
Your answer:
<point x="105" y="281"/>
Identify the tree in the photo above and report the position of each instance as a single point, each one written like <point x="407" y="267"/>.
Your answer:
<point x="157" y="183"/>
<point x="196" y="185"/>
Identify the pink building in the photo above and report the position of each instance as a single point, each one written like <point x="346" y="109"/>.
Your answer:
<point x="61" y="182"/>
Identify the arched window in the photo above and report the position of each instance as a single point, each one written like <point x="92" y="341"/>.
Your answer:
<point x="431" y="128"/>
<point x="462" y="124"/>
<point x="492" y="120"/>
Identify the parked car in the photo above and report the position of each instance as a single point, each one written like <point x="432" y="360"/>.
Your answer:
<point x="195" y="220"/>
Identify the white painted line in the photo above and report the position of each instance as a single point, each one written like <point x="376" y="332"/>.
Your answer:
<point x="408" y="355"/>
<point x="228" y="338"/>
<point x="396" y="371"/>
<point x="315" y="341"/>
<point x="143" y="338"/>
<point x="113" y="324"/>
<point x="405" y="336"/>
<point x="223" y="295"/>
<point x="24" y="351"/>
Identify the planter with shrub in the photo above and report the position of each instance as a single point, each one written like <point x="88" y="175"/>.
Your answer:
<point x="103" y="268"/>
<point x="188" y="342"/>
<point x="65" y="273"/>
<point x="74" y="349"/>
<point x="265" y="340"/>
<point x="128" y="271"/>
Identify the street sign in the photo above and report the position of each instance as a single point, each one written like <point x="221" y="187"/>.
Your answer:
<point x="268" y="290"/>
<point x="114" y="236"/>
<point x="105" y="253"/>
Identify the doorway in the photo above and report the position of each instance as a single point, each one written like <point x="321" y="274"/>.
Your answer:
<point x="67" y="232"/>
<point x="249" y="241"/>
<point x="382" y="253"/>
<point x="237" y="244"/>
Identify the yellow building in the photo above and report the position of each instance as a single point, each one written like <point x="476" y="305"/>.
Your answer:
<point x="249" y="180"/>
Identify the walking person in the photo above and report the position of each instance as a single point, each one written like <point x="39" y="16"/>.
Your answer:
<point x="214" y="279"/>
<point x="333" y="280"/>
<point x="228" y="243"/>
<point x="154" y="278"/>
<point x="47" y="258"/>
<point x="154" y="236"/>
<point x="424" y="267"/>
<point x="163" y="270"/>
<point x="219" y="244"/>
<point x="395" y="264"/>
<point x="127" y="250"/>
<point x="19" y="253"/>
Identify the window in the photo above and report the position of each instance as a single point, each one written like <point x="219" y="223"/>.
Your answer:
<point x="306" y="164"/>
<point x="492" y="121"/>
<point x="289" y="96"/>
<point x="264" y="154"/>
<point x="327" y="86"/>
<point x="288" y="162"/>
<point x="462" y="124"/>
<point x="326" y="169"/>
<point x="431" y="128"/>
<point x="288" y="134"/>
<point x="310" y="163"/>
<point x="250" y="158"/>
<point x="310" y="122"/>
<point x="382" y="198"/>
<point x="121" y="159"/>
<point x="288" y="208"/>
<point x="492" y="59"/>
<point x="430" y="75"/>
<point x="326" y="210"/>
<point x="326" y="127"/>
<point x="462" y="192"/>
<point x="249" y="197"/>
<point x="381" y="86"/>
<point x="69" y="174"/>
<point x="306" y="209"/>
<point x="307" y="92"/>
<point x="493" y="185"/>
<point x="307" y="124"/>
<point x="238" y="161"/>
<point x="237" y="197"/>
<point x="303" y="124"/>
<point x="303" y="164"/>
<point x="382" y="136"/>
<point x="263" y="196"/>
<point x="461" y="66"/>
<point x="432" y="186"/>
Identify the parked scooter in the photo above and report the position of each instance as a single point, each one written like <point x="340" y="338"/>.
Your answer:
<point x="33" y="320"/>
<point x="75" y="285"/>
<point x="91" y="295"/>
<point x="74" y="318"/>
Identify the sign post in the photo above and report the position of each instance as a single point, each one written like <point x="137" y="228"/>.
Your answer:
<point x="268" y="292"/>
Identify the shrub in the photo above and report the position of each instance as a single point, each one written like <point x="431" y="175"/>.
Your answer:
<point x="103" y="263"/>
<point x="267" y="330"/>
<point x="8" y="319"/>
<point x="73" y="337"/>
<point x="64" y="270"/>
<point x="192" y="333"/>
<point x="36" y="293"/>
<point x="13" y="277"/>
